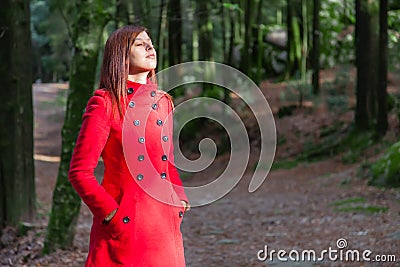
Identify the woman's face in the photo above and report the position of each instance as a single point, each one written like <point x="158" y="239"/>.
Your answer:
<point x="142" y="57"/>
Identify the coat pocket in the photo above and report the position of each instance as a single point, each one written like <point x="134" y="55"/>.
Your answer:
<point x="124" y="217"/>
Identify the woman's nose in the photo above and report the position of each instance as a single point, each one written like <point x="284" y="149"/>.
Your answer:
<point x="149" y="47"/>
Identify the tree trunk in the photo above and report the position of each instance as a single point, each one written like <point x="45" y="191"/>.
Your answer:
<point x="260" y="43"/>
<point x="141" y="13"/>
<point x="293" y="8"/>
<point x="174" y="32"/>
<point x="232" y="37"/>
<point x="362" y="50"/>
<point x="161" y="35"/>
<point x="223" y="29"/>
<point x="373" y="11"/>
<point x="205" y="28"/>
<point x="315" y="47"/>
<point x="367" y="46"/>
<point x="304" y="50"/>
<point x="246" y="53"/>
<point x="205" y="37"/>
<point x="85" y="37"/>
<point x="17" y="183"/>
<point x="122" y="13"/>
<point x="382" y="119"/>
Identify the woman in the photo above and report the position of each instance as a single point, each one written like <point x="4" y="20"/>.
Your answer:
<point x="138" y="208"/>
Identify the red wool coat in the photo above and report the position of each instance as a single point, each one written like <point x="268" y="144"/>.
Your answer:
<point x="139" y="179"/>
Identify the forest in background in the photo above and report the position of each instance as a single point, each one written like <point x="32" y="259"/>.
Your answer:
<point x="250" y="35"/>
<point x="280" y="41"/>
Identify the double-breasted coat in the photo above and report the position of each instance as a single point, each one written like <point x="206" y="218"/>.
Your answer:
<point x="140" y="180"/>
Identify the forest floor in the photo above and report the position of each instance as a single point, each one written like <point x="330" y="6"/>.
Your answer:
<point x="307" y="206"/>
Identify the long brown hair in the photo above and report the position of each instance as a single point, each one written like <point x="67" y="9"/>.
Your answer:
<point x="115" y="66"/>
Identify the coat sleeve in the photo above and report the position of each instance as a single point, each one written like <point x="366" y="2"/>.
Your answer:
<point x="173" y="172"/>
<point x="89" y="145"/>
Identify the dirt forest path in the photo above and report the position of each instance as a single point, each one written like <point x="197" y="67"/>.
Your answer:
<point x="293" y="210"/>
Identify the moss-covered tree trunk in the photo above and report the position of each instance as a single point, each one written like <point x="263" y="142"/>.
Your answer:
<point x="17" y="184"/>
<point x="86" y="30"/>
<point x="293" y="46"/>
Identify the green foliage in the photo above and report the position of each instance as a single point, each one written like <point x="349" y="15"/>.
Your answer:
<point x="61" y="99"/>
<point x="394" y="104"/>
<point x="348" y="201"/>
<point x="286" y="111"/>
<point x="352" y="205"/>
<point x="337" y="42"/>
<point x="337" y="98"/>
<point x="394" y="40"/>
<point x="50" y="41"/>
<point x="52" y="24"/>
<point x="215" y="92"/>
<point x="51" y="33"/>
<point x="386" y="171"/>
<point x="326" y="131"/>
<point x="40" y="12"/>
<point x="366" y="209"/>
<point x="232" y="7"/>
<point x="284" y="164"/>
<point x="297" y="90"/>
<point x="352" y="144"/>
<point x="193" y="132"/>
<point x="351" y="156"/>
<point x="337" y="103"/>
<point x="281" y="140"/>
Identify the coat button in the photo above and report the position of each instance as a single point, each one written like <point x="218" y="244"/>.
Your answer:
<point x="139" y="177"/>
<point x="165" y="138"/>
<point x="154" y="106"/>
<point x="159" y="122"/>
<point x="125" y="219"/>
<point x="131" y="104"/>
<point x="163" y="175"/>
<point x="140" y="158"/>
<point x="180" y="214"/>
<point x="153" y="93"/>
<point x="136" y="122"/>
<point x="164" y="157"/>
<point x="141" y="140"/>
<point x="130" y="90"/>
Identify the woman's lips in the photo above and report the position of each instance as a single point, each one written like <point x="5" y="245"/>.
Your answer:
<point x="151" y="56"/>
